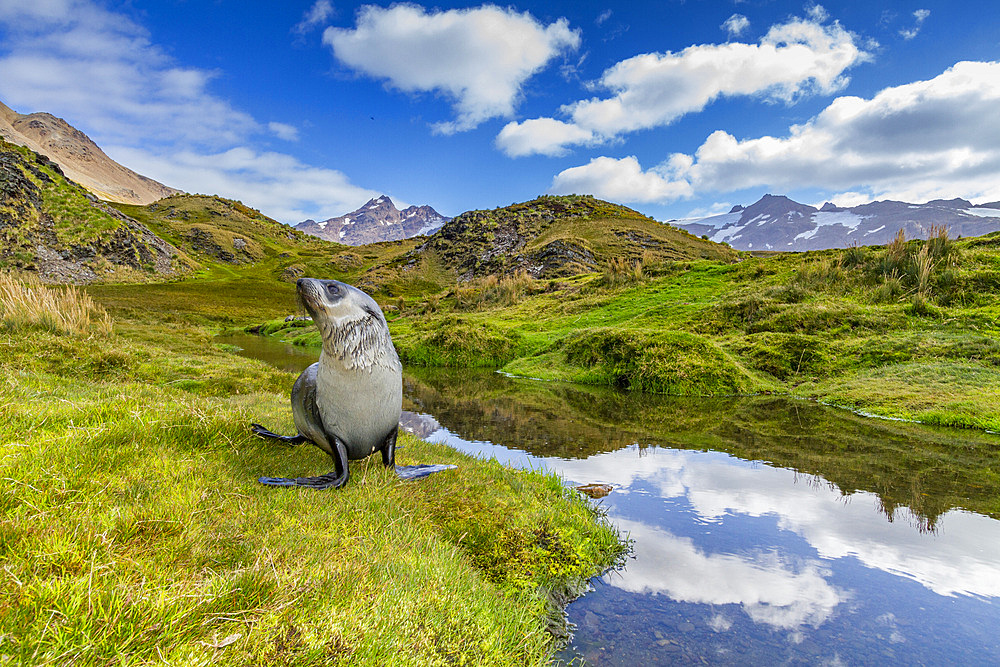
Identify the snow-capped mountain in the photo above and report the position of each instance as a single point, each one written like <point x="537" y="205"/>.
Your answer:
<point x="378" y="220"/>
<point x="778" y="223"/>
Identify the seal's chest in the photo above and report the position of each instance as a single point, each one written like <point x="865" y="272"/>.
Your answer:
<point x="359" y="406"/>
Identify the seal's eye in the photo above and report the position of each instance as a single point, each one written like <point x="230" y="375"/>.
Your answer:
<point x="333" y="289"/>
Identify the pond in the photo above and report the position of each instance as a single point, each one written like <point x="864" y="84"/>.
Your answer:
<point x="765" y="530"/>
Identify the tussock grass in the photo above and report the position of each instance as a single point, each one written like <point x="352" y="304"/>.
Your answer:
<point x="25" y="303"/>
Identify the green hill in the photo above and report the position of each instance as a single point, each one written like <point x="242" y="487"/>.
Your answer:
<point x="560" y="236"/>
<point x="51" y="226"/>
<point x="213" y="230"/>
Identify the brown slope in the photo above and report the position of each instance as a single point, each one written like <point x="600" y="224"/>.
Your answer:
<point x="79" y="157"/>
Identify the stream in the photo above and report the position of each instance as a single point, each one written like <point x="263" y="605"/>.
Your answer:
<point x="766" y="530"/>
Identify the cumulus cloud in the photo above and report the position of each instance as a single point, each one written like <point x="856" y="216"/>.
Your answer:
<point x="102" y="72"/>
<point x="919" y="17"/>
<point x="479" y="58"/>
<point x="620" y="180"/>
<point x="735" y="25"/>
<point x="914" y="142"/>
<point x="316" y="15"/>
<point x="284" y="131"/>
<point x="796" y="58"/>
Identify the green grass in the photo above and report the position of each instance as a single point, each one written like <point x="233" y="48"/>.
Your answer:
<point x="134" y="529"/>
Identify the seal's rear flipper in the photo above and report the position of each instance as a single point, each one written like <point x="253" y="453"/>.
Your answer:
<point x="331" y="480"/>
<point x="418" y="471"/>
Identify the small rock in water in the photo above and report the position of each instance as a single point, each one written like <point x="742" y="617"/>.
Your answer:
<point x="595" y="490"/>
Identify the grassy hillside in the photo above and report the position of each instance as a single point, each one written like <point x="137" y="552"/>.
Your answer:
<point x="215" y="230"/>
<point x="560" y="236"/>
<point x="54" y="228"/>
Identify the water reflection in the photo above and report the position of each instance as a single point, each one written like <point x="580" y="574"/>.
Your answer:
<point x="765" y="530"/>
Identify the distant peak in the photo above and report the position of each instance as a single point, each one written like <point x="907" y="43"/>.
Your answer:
<point x="737" y="208"/>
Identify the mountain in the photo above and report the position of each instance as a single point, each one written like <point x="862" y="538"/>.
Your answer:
<point x="51" y="226"/>
<point x="79" y="158"/>
<point x="778" y="223"/>
<point x="378" y="220"/>
<point x="558" y="236"/>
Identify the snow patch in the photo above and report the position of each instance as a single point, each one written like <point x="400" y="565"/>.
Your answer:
<point x="845" y="218"/>
<point x="877" y="229"/>
<point x="983" y="212"/>
<point x="728" y="234"/>
<point x="717" y="221"/>
<point x="322" y="225"/>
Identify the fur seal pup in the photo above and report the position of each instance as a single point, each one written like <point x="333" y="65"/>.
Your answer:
<point x="348" y="403"/>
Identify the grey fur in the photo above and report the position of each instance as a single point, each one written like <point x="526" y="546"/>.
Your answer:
<point x="348" y="403"/>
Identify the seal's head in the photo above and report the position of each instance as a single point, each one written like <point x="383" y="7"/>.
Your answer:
<point x="350" y="322"/>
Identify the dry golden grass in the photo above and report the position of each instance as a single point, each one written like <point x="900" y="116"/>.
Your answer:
<point x="27" y="303"/>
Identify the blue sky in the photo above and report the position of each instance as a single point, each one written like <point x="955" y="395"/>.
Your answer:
<point x="676" y="108"/>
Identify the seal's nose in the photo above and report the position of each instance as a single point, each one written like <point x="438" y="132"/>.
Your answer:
<point x="298" y="283"/>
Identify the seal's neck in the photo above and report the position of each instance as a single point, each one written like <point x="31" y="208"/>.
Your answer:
<point x="358" y="344"/>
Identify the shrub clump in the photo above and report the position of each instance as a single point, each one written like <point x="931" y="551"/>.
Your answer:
<point x="669" y="362"/>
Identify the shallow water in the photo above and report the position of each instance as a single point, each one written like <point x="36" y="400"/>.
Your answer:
<point x="766" y="530"/>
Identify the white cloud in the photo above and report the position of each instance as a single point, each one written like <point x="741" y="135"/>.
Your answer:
<point x="919" y="17"/>
<point x="619" y="180"/>
<point x="651" y="90"/>
<point x="480" y="58"/>
<point x="284" y="131"/>
<point x="817" y="13"/>
<point x="75" y="55"/>
<point x="281" y="186"/>
<point x="914" y="142"/>
<point x="103" y="74"/>
<point x="546" y="136"/>
<point x="735" y="25"/>
<point x="320" y="11"/>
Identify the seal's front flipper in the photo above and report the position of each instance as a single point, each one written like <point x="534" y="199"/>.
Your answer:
<point x="418" y="471"/>
<point x="332" y="480"/>
<point x="262" y="432"/>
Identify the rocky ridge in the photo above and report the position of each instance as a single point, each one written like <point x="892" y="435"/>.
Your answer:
<point x="79" y="158"/>
<point x="779" y="223"/>
<point x="378" y="220"/>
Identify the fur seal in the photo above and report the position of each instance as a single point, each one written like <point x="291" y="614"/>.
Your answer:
<point x="348" y="403"/>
